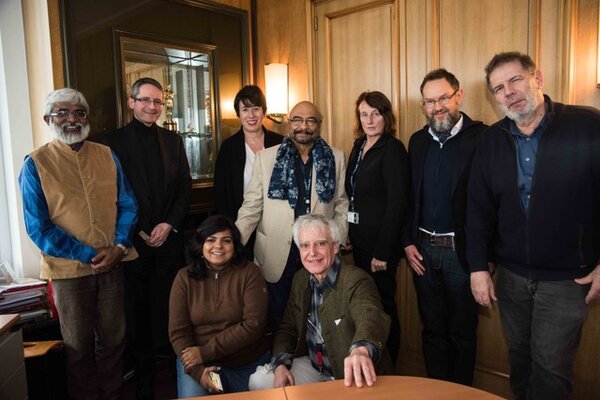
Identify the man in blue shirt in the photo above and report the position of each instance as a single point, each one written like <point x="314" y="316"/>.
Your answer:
<point x="80" y="211"/>
<point x="534" y="205"/>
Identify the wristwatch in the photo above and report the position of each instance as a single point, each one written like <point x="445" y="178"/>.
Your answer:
<point x="123" y="248"/>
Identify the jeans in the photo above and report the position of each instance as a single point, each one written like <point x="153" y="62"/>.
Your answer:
<point x="542" y="323"/>
<point x="234" y="379"/>
<point x="449" y="315"/>
<point x="92" y="323"/>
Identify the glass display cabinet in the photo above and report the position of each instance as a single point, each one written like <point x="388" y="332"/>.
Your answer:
<point x="187" y="74"/>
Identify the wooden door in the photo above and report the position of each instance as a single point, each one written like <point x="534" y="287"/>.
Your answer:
<point x="354" y="52"/>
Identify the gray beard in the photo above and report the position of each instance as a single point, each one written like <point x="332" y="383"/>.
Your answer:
<point x="442" y="126"/>
<point x="70" y="138"/>
<point x="523" y="115"/>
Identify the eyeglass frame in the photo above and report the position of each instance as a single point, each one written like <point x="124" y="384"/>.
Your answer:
<point x="147" y="101"/>
<point x="310" y="121"/>
<point x="443" y="100"/>
<point x="56" y="114"/>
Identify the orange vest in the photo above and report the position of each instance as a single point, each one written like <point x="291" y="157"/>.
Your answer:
<point x="81" y="191"/>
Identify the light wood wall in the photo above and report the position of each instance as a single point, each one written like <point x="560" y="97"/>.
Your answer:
<point x="460" y="35"/>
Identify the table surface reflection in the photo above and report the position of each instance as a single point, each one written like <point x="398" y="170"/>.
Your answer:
<point x="386" y="388"/>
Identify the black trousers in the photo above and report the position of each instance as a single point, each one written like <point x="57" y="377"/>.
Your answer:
<point x="279" y="292"/>
<point x="148" y="281"/>
<point x="386" y="285"/>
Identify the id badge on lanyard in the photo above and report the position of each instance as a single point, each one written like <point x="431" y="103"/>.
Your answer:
<point x="353" y="216"/>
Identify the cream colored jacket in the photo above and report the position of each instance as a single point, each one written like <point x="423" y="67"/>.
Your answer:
<point x="274" y="218"/>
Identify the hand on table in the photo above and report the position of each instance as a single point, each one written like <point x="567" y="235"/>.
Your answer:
<point x="359" y="368"/>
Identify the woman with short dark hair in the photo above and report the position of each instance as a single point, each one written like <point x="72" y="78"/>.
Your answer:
<point x="236" y="154"/>
<point x="217" y="312"/>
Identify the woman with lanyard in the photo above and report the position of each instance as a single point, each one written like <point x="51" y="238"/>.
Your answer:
<point x="377" y="184"/>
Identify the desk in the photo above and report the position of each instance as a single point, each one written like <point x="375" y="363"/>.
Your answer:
<point x="13" y="382"/>
<point x="386" y="388"/>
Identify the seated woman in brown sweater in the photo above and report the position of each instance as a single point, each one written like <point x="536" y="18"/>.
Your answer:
<point x="217" y="312"/>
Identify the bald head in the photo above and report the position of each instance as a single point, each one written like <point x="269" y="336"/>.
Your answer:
<point x="304" y="123"/>
<point x="306" y="107"/>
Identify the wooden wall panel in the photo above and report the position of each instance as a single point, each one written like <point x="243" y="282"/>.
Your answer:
<point x="466" y="50"/>
<point x="352" y="39"/>
<point x="283" y="38"/>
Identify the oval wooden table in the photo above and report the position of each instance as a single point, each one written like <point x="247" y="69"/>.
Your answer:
<point x="386" y="388"/>
<point x="389" y="387"/>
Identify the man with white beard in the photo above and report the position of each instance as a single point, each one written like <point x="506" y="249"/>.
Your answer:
<point x="80" y="211"/>
<point x="434" y="241"/>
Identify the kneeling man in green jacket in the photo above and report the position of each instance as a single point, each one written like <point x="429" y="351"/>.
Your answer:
<point x="334" y="326"/>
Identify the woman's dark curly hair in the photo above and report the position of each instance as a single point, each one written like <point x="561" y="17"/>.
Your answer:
<point x="214" y="224"/>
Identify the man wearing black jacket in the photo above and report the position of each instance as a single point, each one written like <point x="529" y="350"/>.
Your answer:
<point x="534" y="203"/>
<point x="434" y="242"/>
<point x="155" y="164"/>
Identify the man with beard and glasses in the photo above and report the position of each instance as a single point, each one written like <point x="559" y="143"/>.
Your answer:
<point x="155" y="163"/>
<point x="434" y="240"/>
<point x="80" y="211"/>
<point x="303" y="175"/>
<point x="534" y="203"/>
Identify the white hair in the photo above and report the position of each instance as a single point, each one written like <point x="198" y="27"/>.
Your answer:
<point x="66" y="95"/>
<point x="316" y="222"/>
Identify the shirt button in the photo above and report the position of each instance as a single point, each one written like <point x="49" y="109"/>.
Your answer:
<point x="527" y="159"/>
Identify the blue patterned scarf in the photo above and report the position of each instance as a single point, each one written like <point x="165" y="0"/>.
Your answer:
<point x="283" y="184"/>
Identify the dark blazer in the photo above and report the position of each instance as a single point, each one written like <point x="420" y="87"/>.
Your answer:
<point x="229" y="171"/>
<point x="177" y="180"/>
<point x="382" y="185"/>
<point x="417" y="150"/>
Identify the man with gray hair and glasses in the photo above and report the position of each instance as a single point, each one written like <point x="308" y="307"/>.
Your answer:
<point x="534" y="205"/>
<point x="80" y="211"/>
<point x="155" y="163"/>
<point x="334" y="326"/>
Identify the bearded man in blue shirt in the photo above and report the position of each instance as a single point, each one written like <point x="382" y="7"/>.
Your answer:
<point x="534" y="205"/>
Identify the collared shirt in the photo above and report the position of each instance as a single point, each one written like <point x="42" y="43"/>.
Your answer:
<point x="453" y="132"/>
<point x="527" y="148"/>
<point x="317" y="348"/>
<point x="52" y="239"/>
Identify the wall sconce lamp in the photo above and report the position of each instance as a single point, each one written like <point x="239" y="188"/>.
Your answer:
<point x="276" y="82"/>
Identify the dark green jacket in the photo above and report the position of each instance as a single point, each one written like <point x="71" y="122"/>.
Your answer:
<point x="354" y="303"/>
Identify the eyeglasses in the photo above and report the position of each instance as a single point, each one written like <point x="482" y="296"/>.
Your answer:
<point x="62" y="114"/>
<point x="310" y="121"/>
<point x="147" y="101"/>
<point x="444" y="100"/>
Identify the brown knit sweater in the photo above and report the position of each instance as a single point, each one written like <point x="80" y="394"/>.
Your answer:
<point x="224" y="315"/>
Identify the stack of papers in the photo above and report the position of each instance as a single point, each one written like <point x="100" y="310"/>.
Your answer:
<point x="27" y="297"/>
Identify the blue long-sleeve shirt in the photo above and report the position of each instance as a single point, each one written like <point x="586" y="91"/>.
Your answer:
<point x="51" y="238"/>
